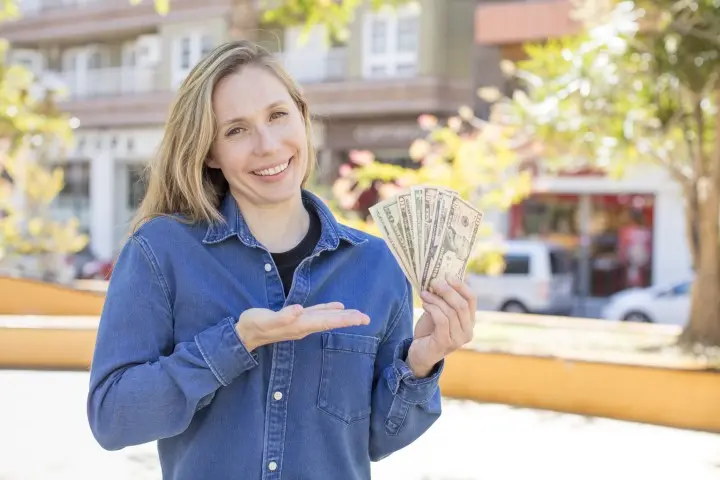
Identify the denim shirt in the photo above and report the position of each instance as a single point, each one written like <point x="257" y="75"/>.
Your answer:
<point x="169" y="366"/>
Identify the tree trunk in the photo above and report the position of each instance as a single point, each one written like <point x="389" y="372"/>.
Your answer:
<point x="704" y="326"/>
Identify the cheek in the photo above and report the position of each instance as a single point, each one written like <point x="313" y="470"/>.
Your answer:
<point x="232" y="156"/>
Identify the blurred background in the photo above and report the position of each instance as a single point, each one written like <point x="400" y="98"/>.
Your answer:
<point x="585" y="130"/>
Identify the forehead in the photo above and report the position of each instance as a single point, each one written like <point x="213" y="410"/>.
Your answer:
<point x="248" y="93"/>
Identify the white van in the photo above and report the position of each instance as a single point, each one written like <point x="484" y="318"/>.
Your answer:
<point x="538" y="278"/>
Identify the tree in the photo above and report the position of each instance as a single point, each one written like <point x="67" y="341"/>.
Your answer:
<point x="638" y="86"/>
<point x="31" y="129"/>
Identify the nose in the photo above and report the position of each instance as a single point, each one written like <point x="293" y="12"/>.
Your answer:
<point x="266" y="142"/>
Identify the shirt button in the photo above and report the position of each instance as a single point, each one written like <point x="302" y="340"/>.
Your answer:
<point x="268" y="267"/>
<point x="277" y="395"/>
<point x="272" y="466"/>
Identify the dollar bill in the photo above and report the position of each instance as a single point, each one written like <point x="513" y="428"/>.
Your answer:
<point x="451" y="258"/>
<point x="417" y="195"/>
<point x="439" y="223"/>
<point x="404" y="207"/>
<point x="387" y="217"/>
<point x="428" y="210"/>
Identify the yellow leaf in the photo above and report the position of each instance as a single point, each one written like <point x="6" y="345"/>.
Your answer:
<point x="162" y="6"/>
<point x="35" y="226"/>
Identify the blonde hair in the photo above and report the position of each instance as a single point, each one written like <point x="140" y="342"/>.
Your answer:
<point x="178" y="181"/>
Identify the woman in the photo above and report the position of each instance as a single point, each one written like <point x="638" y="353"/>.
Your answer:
<point x="246" y="330"/>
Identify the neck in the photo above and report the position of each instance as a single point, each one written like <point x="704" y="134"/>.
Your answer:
<point x="278" y="227"/>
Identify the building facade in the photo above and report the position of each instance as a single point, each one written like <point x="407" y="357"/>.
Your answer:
<point x="624" y="232"/>
<point x="121" y="64"/>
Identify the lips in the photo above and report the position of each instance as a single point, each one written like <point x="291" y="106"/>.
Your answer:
<point x="273" y="170"/>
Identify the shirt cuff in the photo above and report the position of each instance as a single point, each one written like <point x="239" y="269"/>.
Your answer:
<point x="223" y="351"/>
<point x="403" y="383"/>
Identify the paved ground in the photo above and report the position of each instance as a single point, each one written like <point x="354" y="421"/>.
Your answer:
<point x="44" y="435"/>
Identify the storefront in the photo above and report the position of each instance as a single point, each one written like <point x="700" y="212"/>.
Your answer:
<point x="389" y="139"/>
<point x="619" y="229"/>
<point x="623" y="233"/>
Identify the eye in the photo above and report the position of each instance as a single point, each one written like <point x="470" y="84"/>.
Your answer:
<point x="234" y="131"/>
<point x="276" y="115"/>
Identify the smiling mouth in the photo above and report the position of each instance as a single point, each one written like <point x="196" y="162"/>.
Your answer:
<point x="276" y="170"/>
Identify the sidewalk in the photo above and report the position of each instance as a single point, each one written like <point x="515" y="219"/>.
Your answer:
<point x="44" y="436"/>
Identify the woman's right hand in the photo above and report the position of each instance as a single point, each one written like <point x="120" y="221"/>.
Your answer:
<point x="261" y="326"/>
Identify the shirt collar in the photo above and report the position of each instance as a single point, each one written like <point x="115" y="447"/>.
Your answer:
<point x="233" y="223"/>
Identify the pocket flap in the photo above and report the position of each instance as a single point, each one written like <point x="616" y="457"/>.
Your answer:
<point x="350" y="342"/>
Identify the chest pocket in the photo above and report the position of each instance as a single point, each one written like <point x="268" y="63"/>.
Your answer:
<point x="348" y="363"/>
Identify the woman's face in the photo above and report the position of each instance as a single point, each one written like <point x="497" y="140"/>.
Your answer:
<point x="261" y="145"/>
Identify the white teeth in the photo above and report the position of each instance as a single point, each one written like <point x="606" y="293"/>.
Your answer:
<point x="272" y="171"/>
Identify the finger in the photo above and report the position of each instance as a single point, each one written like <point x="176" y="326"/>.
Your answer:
<point x="464" y="290"/>
<point x="454" y="323"/>
<point x="441" y="322"/>
<point x="325" y="306"/>
<point x="285" y="316"/>
<point x="323" y="320"/>
<point x="458" y="304"/>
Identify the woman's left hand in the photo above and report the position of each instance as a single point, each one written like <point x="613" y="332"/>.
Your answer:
<point x="446" y="325"/>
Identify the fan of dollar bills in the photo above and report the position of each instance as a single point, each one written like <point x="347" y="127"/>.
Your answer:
<point x="431" y="232"/>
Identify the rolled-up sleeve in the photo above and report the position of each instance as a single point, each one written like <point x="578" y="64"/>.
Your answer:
<point x="404" y="407"/>
<point x="143" y="386"/>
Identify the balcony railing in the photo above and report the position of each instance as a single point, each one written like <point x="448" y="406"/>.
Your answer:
<point x="35" y="7"/>
<point x="106" y="82"/>
<point x="316" y="67"/>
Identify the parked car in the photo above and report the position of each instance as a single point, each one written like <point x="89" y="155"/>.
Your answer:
<point x="667" y="304"/>
<point x="538" y="278"/>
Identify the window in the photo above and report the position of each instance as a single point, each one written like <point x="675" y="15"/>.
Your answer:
<point x="392" y="42"/>
<point x="682" y="289"/>
<point x="408" y="28"/>
<point x="378" y="37"/>
<point x="517" y="264"/>
<point x="206" y="45"/>
<point x="136" y="186"/>
<point x="187" y="52"/>
<point x="560" y="262"/>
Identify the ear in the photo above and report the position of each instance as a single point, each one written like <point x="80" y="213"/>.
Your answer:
<point x="211" y="162"/>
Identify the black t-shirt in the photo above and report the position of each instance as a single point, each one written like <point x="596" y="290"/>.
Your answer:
<point x="287" y="262"/>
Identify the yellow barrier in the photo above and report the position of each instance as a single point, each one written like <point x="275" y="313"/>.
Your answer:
<point x="20" y="296"/>
<point x="684" y="397"/>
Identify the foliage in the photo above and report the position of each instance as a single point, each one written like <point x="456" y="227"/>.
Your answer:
<point x="31" y="129"/>
<point x="638" y="86"/>
<point x="612" y="97"/>
<point x="335" y="15"/>
<point x="479" y="160"/>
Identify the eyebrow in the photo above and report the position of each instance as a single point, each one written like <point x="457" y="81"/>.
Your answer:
<point x="238" y="119"/>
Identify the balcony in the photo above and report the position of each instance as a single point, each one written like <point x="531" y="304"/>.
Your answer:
<point x="108" y="82"/>
<point x="332" y="90"/>
<point x="112" y="97"/>
<point x="77" y="21"/>
<point x="30" y="8"/>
